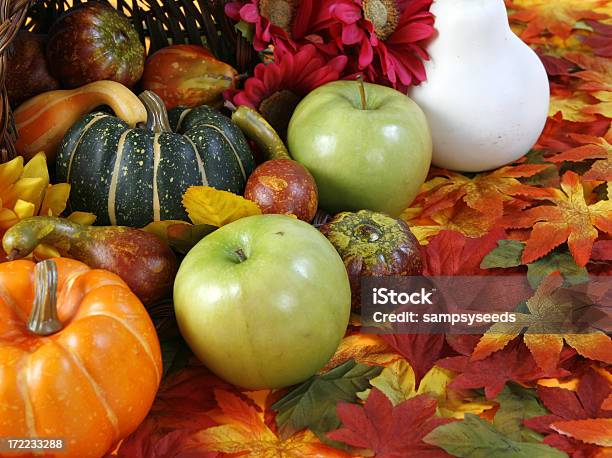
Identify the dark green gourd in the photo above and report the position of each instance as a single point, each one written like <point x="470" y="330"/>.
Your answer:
<point x="131" y="177"/>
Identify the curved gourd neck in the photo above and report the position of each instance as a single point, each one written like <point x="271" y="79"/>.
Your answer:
<point x="157" y="115"/>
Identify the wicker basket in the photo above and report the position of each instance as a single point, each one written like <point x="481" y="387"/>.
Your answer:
<point x="158" y="22"/>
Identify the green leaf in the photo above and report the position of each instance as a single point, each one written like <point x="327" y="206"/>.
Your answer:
<point x="476" y="438"/>
<point x="247" y="30"/>
<point x="555" y="261"/>
<point x="313" y="403"/>
<point x="517" y="404"/>
<point x="507" y="254"/>
<point x="546" y="178"/>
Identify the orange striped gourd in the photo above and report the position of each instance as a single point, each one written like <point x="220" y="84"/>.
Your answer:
<point x="43" y="120"/>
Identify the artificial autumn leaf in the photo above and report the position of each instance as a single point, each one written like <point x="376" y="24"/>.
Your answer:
<point x="570" y="219"/>
<point x="477" y="438"/>
<point x="245" y="432"/>
<point x="548" y="308"/>
<point x="602" y="251"/>
<point x="207" y="205"/>
<point x="601" y="39"/>
<point x="597" y="71"/>
<point x="180" y="410"/>
<point x="567" y="406"/>
<point x="592" y="431"/>
<point x="513" y="363"/>
<point x="517" y="404"/>
<point x="388" y="431"/>
<point x="556" y="136"/>
<point x="420" y="350"/>
<point x="398" y="382"/>
<point x="558" y="17"/>
<point x="313" y="403"/>
<point x="486" y="192"/>
<point x="591" y="148"/>
<point x="367" y="349"/>
<point x="571" y="105"/>
<point x="451" y="253"/>
<point x="179" y="235"/>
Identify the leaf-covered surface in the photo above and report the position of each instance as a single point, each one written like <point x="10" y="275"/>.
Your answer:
<point x="505" y="394"/>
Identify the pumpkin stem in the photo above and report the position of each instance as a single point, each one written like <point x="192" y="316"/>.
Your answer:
<point x="157" y="115"/>
<point x="43" y="319"/>
<point x="362" y="92"/>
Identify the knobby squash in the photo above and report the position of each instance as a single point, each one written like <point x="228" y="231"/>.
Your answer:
<point x="79" y="356"/>
<point x="42" y="121"/>
<point x="131" y="177"/>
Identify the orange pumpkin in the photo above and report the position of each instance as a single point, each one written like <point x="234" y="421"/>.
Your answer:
<point x="79" y="356"/>
<point x="187" y="75"/>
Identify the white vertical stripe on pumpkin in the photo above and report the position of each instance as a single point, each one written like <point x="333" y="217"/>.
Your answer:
<point x="196" y="151"/>
<point x="112" y="191"/>
<point x="231" y="145"/>
<point x="156" y="161"/>
<point x="78" y="142"/>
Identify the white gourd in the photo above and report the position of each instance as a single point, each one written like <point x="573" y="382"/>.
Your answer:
<point x="487" y="95"/>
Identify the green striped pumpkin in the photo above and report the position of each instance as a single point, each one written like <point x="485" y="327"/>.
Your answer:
<point x="131" y="177"/>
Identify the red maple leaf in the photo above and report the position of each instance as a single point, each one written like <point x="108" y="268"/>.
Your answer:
<point x="601" y="39"/>
<point x="566" y="407"/>
<point x="179" y="412"/>
<point x="420" y="350"/>
<point x="451" y="253"/>
<point x="602" y="251"/>
<point x="390" y="432"/>
<point x="513" y="363"/>
<point x="557" y="133"/>
<point x="570" y="219"/>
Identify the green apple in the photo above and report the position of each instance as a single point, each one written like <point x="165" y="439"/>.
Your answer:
<point x="365" y="151"/>
<point x="264" y="301"/>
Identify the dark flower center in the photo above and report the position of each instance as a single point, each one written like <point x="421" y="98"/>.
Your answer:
<point x="278" y="108"/>
<point x="384" y="16"/>
<point x="279" y="12"/>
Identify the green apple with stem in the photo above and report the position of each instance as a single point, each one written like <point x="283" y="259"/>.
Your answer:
<point x="367" y="146"/>
<point x="264" y="301"/>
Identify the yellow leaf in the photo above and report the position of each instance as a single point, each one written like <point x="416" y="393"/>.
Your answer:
<point x="160" y="228"/>
<point x="206" y="205"/>
<point x="10" y="173"/>
<point x="397" y="382"/>
<point x="571" y="107"/>
<point x="7" y="218"/>
<point x="36" y="168"/>
<point x="23" y="209"/>
<point x="55" y="200"/>
<point x="87" y="219"/>
<point x="28" y="189"/>
<point x="366" y="349"/>
<point x="46" y="252"/>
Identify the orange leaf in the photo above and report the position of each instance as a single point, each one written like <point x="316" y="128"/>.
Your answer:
<point x="570" y="219"/>
<point x="367" y="349"/>
<point x="591" y="148"/>
<point x="597" y="71"/>
<point x="486" y="192"/>
<point x="558" y="17"/>
<point x="545" y="306"/>
<point x="244" y="431"/>
<point x="592" y="431"/>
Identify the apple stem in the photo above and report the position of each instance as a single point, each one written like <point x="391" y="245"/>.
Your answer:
<point x="241" y="256"/>
<point x="362" y="92"/>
